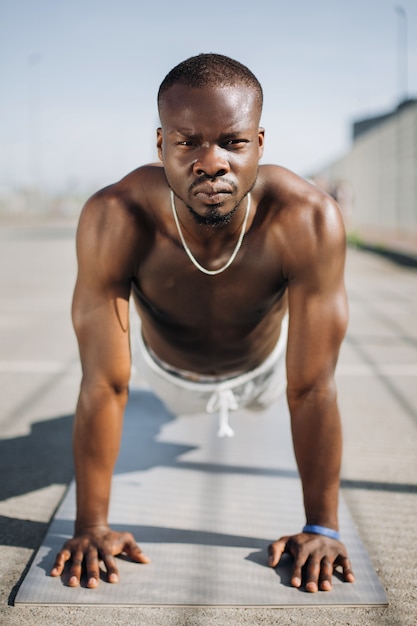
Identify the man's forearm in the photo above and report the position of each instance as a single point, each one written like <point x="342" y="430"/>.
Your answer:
<point x="317" y="441"/>
<point x="96" y="442"/>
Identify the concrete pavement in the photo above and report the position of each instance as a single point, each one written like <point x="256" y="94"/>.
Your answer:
<point x="377" y="381"/>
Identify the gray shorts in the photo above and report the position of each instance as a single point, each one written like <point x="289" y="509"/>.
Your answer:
<point x="254" y="390"/>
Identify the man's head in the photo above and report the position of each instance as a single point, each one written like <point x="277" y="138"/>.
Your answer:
<point x="210" y="142"/>
<point x="211" y="70"/>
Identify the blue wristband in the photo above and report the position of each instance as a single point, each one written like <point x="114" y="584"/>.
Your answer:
<point x="321" y="530"/>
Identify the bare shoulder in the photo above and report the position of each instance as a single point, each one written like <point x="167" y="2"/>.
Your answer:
<point x="124" y="201"/>
<point x="115" y="223"/>
<point x="308" y="221"/>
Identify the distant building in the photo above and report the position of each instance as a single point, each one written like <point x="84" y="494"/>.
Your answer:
<point x="376" y="182"/>
<point x="360" y="127"/>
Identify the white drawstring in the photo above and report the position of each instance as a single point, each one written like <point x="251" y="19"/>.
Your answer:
<point x="223" y="400"/>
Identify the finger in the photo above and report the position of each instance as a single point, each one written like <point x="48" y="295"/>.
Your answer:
<point x="111" y="567"/>
<point x="348" y="575"/>
<point x="75" y="569"/>
<point x="300" y="560"/>
<point x="300" y="556"/>
<point x="133" y="551"/>
<point x="312" y="576"/>
<point x="61" y="558"/>
<point x="276" y="550"/>
<point x="296" y="575"/>
<point x="326" y="572"/>
<point x="136" y="554"/>
<point x="93" y="568"/>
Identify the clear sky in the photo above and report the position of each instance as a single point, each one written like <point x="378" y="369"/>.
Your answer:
<point x="78" y="78"/>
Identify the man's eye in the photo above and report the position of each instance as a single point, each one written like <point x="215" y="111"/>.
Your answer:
<point x="186" y="143"/>
<point x="235" y="143"/>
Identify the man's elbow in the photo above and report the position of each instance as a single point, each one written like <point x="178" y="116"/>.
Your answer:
<point x="317" y="393"/>
<point x="104" y="391"/>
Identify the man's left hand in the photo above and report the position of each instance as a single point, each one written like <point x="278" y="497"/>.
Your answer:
<point x="315" y="558"/>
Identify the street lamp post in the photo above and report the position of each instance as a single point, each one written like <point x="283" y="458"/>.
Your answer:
<point x="34" y="134"/>
<point x="402" y="53"/>
<point x="402" y="81"/>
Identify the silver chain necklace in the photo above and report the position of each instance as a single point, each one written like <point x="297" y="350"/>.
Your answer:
<point x="190" y="254"/>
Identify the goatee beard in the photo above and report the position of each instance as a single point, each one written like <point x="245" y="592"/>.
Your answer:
<point x="213" y="218"/>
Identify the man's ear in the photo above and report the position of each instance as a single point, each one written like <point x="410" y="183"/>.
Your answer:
<point x="159" y="140"/>
<point x="261" y="141"/>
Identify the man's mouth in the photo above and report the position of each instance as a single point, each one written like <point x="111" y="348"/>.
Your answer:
<point x="212" y="194"/>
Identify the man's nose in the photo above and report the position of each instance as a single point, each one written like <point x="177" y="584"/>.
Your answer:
<point x="211" y="161"/>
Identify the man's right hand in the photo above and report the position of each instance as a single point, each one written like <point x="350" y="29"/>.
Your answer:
<point x="91" y="546"/>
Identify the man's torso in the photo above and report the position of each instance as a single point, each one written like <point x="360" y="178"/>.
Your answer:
<point x="219" y="324"/>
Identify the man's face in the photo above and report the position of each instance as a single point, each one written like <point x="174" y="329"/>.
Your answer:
<point x="210" y="144"/>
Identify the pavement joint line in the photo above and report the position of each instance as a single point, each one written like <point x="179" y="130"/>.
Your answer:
<point x="365" y="369"/>
<point x="30" y="367"/>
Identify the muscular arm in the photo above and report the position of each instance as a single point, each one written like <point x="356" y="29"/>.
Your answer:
<point x="318" y="319"/>
<point x="101" y="322"/>
<point x="100" y="314"/>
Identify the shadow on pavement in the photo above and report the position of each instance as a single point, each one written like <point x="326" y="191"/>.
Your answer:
<point x="29" y="463"/>
<point x="37" y="460"/>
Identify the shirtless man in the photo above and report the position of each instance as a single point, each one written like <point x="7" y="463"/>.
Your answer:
<point x="260" y="242"/>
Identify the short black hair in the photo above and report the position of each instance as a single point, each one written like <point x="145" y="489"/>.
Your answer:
<point x="211" y="70"/>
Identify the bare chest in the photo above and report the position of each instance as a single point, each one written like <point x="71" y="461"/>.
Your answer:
<point x="195" y="320"/>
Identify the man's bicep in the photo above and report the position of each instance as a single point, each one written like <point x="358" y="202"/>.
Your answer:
<point x="101" y="323"/>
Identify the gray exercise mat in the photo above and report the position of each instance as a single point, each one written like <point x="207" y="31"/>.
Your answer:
<point x="204" y="510"/>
